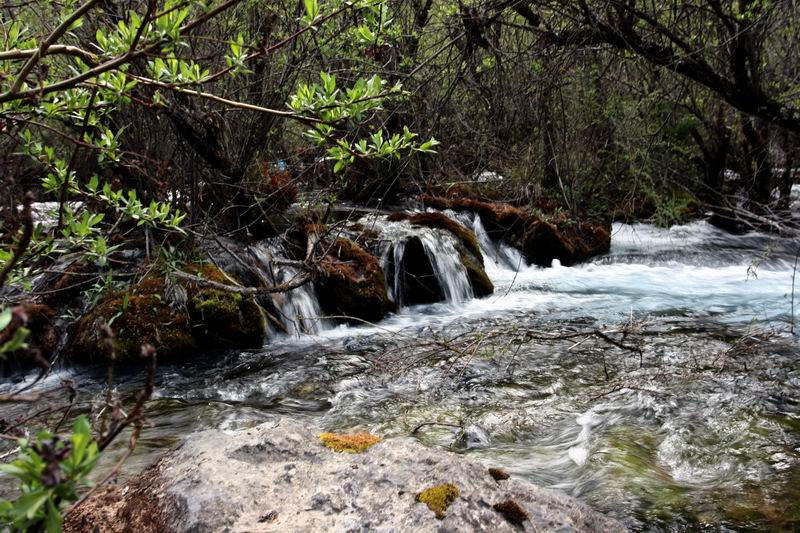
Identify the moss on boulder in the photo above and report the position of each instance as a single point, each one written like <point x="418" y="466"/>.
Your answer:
<point x="222" y="317"/>
<point x="540" y="239"/>
<point x="351" y="283"/>
<point x="144" y="314"/>
<point x="354" y="443"/>
<point x="438" y="498"/>
<point x="469" y="250"/>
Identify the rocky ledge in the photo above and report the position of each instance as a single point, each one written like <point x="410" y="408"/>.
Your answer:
<point x="283" y="476"/>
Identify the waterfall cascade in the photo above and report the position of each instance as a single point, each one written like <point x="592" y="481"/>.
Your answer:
<point x="440" y="249"/>
<point x="400" y="246"/>
<point x="299" y="308"/>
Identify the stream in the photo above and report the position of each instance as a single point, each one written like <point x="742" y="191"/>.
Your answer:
<point x="689" y="420"/>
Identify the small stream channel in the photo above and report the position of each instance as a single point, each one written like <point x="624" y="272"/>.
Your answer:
<point x="692" y="420"/>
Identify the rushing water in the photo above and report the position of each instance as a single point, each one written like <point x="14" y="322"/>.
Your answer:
<point x="691" y="420"/>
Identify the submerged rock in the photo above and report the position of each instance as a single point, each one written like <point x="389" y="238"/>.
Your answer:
<point x="280" y="477"/>
<point x="173" y="317"/>
<point x="541" y="241"/>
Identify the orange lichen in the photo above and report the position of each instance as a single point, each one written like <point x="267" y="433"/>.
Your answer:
<point x="353" y="443"/>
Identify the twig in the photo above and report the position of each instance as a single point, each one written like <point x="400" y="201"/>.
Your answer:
<point x="298" y="281"/>
<point x="416" y="429"/>
<point x="24" y="240"/>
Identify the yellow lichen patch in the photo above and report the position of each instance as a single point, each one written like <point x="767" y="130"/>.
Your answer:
<point x="355" y="443"/>
<point x="438" y="498"/>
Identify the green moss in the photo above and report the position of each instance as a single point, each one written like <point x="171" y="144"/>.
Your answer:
<point x="438" y="498"/>
<point x="141" y="315"/>
<point x="355" y="443"/>
<point x="137" y="316"/>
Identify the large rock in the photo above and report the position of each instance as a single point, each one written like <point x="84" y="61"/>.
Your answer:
<point x="280" y="477"/>
<point x="173" y="317"/>
<point x="351" y="282"/>
<point x="418" y="281"/>
<point x="540" y="241"/>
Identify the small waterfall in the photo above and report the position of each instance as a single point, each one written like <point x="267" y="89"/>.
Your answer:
<point x="440" y="249"/>
<point x="498" y="257"/>
<point x="299" y="308"/>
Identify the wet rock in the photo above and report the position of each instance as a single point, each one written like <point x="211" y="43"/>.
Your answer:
<point x="352" y="283"/>
<point x="223" y="318"/>
<point x="541" y="241"/>
<point x="174" y="318"/>
<point x="202" y="486"/>
<point x="471" y="437"/>
<point x="420" y="285"/>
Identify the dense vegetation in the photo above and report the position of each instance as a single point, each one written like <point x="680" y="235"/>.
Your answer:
<point x="159" y="122"/>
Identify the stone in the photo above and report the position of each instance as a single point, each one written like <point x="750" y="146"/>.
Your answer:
<point x="233" y="481"/>
<point x="468" y="249"/>
<point x="540" y="239"/>
<point x="174" y="318"/>
<point x="351" y="283"/>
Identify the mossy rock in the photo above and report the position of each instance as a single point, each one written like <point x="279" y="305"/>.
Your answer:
<point x="351" y="283"/>
<point x="418" y="280"/>
<point x="137" y="316"/>
<point x="540" y="241"/>
<point x="142" y="315"/>
<point x="544" y="242"/>
<point x="481" y="284"/>
<point x="469" y="250"/>
<point x="438" y="498"/>
<point x="354" y="443"/>
<point x="221" y="317"/>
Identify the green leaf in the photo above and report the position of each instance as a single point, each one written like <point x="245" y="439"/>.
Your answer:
<point x="5" y="318"/>
<point x="29" y="504"/>
<point x="53" y="520"/>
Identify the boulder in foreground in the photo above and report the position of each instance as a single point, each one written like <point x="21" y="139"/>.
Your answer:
<point x="280" y="477"/>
